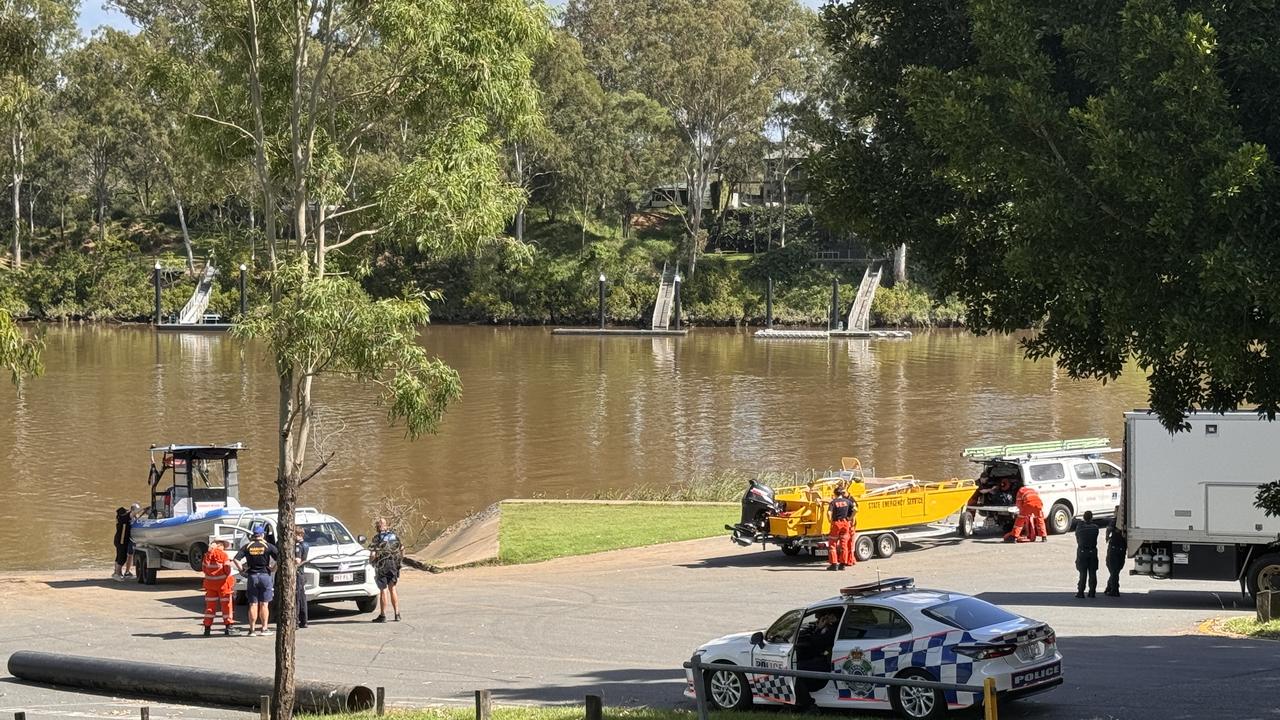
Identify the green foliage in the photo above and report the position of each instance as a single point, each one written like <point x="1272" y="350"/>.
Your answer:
<point x="1268" y="498"/>
<point x="330" y="325"/>
<point x="111" y="282"/>
<point x="19" y="354"/>
<point x="908" y="305"/>
<point x="1107" y="177"/>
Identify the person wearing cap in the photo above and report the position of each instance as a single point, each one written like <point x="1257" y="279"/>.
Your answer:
<point x="219" y="584"/>
<point x="386" y="556"/>
<point x="258" y="559"/>
<point x="840" y="541"/>
<point x="121" y="540"/>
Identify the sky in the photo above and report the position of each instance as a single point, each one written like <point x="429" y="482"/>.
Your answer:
<point x="92" y="15"/>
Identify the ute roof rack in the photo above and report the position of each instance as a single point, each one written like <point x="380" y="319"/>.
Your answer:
<point x="873" y="588"/>
<point x="1050" y="448"/>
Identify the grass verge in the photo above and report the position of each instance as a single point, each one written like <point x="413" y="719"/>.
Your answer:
<point x="531" y="532"/>
<point x="566" y="712"/>
<point x="1250" y="627"/>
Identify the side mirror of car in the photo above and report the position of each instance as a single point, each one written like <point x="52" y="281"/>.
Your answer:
<point x="361" y="539"/>
<point x="758" y="639"/>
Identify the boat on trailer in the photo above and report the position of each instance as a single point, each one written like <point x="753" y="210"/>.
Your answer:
<point x="200" y="499"/>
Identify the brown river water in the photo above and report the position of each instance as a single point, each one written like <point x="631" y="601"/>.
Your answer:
<point x="540" y="416"/>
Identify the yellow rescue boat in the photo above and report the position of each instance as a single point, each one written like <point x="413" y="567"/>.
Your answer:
<point x="889" y="510"/>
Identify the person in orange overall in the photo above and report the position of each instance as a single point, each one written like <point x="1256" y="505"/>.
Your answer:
<point x="1030" y="510"/>
<point x="840" y="541"/>
<point x="219" y="583"/>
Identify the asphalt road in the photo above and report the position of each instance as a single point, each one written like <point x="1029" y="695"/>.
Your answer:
<point x="619" y="624"/>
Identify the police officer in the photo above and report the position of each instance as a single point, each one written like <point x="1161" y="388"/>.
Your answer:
<point x="1117" y="552"/>
<point x="840" y="541"/>
<point x="386" y="557"/>
<point x="300" y="550"/>
<point x="258" y="559"/>
<point x="813" y="653"/>
<point x="1087" y="555"/>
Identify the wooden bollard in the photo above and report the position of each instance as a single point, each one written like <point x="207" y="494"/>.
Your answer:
<point x="144" y="712"/>
<point x="990" y="711"/>
<point x="19" y="716"/>
<point x="264" y="707"/>
<point x="1266" y="605"/>
<point x="484" y="705"/>
<point x="595" y="707"/>
<point x="381" y="707"/>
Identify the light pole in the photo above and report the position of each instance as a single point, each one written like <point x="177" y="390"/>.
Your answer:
<point x="244" y="307"/>
<point x="156" y="281"/>
<point x="601" y="306"/>
<point x="677" y="301"/>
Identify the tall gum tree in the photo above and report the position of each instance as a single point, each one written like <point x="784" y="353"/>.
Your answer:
<point x="303" y="89"/>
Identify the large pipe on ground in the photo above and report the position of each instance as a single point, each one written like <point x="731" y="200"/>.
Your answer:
<point x="180" y="683"/>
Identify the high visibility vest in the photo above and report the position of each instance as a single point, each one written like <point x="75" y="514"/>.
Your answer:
<point x="217" y="571"/>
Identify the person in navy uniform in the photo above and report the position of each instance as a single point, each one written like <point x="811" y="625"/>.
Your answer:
<point x="386" y="557"/>
<point x="1087" y="555"/>
<point x="1117" y="553"/>
<point x="258" y="560"/>
<point x="300" y="549"/>
<point x="840" y="541"/>
<point x="813" y="653"/>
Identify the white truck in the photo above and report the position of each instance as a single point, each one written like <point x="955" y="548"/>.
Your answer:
<point x="1071" y="476"/>
<point x="1189" y="498"/>
<point x="337" y="564"/>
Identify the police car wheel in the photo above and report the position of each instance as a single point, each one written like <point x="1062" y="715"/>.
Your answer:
<point x="917" y="703"/>
<point x="728" y="690"/>
<point x="864" y="548"/>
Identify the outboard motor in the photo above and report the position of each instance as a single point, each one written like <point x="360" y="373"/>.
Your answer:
<point x="757" y="506"/>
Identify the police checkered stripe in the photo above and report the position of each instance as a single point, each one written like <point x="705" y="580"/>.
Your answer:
<point x="772" y="687"/>
<point x="1023" y="636"/>
<point x="935" y="653"/>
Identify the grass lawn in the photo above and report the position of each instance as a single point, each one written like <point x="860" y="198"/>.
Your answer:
<point x="567" y="712"/>
<point x="530" y="532"/>
<point x="1251" y="627"/>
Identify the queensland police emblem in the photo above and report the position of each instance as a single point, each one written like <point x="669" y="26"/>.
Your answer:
<point x="857" y="664"/>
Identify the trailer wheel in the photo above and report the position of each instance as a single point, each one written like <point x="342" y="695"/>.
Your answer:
<point x="886" y="545"/>
<point x="1264" y="574"/>
<point x="1059" y="518"/>
<point x="864" y="548"/>
<point x="140" y="564"/>
<point x="195" y="556"/>
<point x="965" y="528"/>
<point x="791" y="549"/>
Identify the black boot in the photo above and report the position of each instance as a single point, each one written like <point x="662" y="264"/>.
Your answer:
<point x="207" y="630"/>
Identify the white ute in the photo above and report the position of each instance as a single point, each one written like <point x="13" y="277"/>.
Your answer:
<point x="1070" y="475"/>
<point x="337" y="564"/>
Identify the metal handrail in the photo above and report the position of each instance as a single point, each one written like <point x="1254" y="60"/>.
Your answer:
<point x="987" y="689"/>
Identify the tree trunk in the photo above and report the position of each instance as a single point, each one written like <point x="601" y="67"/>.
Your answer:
<point x="295" y="429"/>
<point x="518" y="157"/>
<point x="31" y="209"/>
<point x="62" y="220"/>
<point x="186" y="236"/>
<point x="900" y="264"/>
<point x="16" y="142"/>
<point x="320" y="239"/>
<point x="782" y="170"/>
<point x="259" y="136"/>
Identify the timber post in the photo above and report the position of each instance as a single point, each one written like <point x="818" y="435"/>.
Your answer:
<point x="768" y="304"/>
<point x="484" y="705"/>
<point x="600" y="309"/>
<point x="155" y="279"/>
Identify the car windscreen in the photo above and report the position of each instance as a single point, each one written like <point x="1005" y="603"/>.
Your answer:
<point x="325" y="533"/>
<point x="969" y="613"/>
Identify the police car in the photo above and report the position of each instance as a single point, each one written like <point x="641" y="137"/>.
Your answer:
<point x="886" y="629"/>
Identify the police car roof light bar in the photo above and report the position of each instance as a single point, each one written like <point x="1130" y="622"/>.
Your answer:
<point x="898" y="583"/>
<point x="1034" y="448"/>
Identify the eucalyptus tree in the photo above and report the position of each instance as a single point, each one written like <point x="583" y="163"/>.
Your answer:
<point x="33" y="34"/>
<point x="19" y="354"/>
<point x="306" y="87"/>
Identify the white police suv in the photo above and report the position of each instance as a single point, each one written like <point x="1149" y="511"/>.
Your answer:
<point x="886" y="629"/>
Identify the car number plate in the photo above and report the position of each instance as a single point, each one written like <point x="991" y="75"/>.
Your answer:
<point x="1031" y="651"/>
<point x="343" y="577"/>
<point x="1035" y="677"/>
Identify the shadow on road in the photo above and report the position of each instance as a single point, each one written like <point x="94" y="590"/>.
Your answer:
<point x="172" y="582"/>
<point x="1153" y="600"/>
<point x="617" y="687"/>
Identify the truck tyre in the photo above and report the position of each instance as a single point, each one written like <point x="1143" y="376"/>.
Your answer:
<point x="1060" y="517"/>
<point x="864" y="548"/>
<point x="791" y="549"/>
<point x="1264" y="574"/>
<point x="367" y="604"/>
<point x="917" y="703"/>
<point x="727" y="690"/>
<point x="195" y="556"/>
<point x="886" y="545"/>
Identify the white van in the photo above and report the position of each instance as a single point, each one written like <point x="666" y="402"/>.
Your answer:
<point x="337" y="564"/>
<point x="1070" y="475"/>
